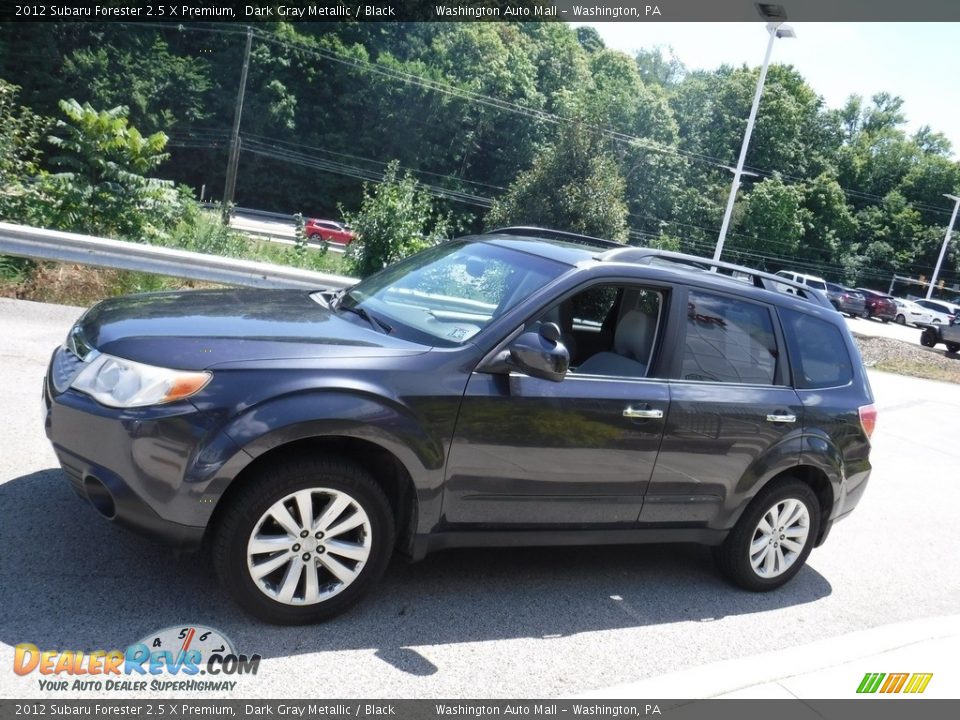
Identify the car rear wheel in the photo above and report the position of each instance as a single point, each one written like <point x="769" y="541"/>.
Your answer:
<point x="773" y="538"/>
<point x="304" y="541"/>
<point x="953" y="347"/>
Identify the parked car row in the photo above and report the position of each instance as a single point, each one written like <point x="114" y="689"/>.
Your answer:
<point x="867" y="303"/>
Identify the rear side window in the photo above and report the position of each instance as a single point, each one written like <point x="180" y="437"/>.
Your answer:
<point x="817" y="351"/>
<point x="728" y="340"/>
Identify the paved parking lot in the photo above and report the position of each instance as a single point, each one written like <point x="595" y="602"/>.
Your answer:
<point x="875" y="328"/>
<point x="475" y="623"/>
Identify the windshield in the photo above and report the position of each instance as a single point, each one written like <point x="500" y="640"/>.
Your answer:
<point x="447" y="294"/>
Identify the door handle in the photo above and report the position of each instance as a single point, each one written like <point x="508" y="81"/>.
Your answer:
<point x="643" y="414"/>
<point x="781" y="418"/>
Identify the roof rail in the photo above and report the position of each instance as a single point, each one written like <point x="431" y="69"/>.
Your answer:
<point x="759" y="278"/>
<point x="536" y="232"/>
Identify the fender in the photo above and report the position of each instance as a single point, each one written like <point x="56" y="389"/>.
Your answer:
<point x="784" y="455"/>
<point x="329" y="412"/>
<point x="820" y="452"/>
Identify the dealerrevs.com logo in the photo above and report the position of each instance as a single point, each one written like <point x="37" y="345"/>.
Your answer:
<point x="894" y="683"/>
<point x="192" y="658"/>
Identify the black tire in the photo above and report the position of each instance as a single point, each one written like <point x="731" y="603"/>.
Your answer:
<point x="953" y="347"/>
<point x="901" y="320"/>
<point x="246" y="510"/>
<point x="733" y="556"/>
<point x="928" y="338"/>
<point x="884" y="320"/>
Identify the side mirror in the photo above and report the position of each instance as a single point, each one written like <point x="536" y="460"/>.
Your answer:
<point x="540" y="354"/>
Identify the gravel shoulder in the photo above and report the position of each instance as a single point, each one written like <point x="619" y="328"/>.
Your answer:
<point x="905" y="358"/>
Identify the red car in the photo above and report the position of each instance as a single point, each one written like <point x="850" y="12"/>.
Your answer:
<point x="878" y="305"/>
<point x="329" y="231"/>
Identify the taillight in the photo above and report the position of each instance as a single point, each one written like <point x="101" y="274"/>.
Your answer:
<point x="868" y="419"/>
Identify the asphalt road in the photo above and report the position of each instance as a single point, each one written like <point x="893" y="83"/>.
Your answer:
<point x="474" y="623"/>
<point x="875" y="328"/>
<point x="278" y="231"/>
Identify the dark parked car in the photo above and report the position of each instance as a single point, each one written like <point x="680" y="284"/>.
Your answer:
<point x="523" y="387"/>
<point x="846" y="300"/>
<point x="949" y="335"/>
<point x="879" y="305"/>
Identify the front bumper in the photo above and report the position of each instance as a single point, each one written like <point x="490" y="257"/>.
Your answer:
<point x="144" y="468"/>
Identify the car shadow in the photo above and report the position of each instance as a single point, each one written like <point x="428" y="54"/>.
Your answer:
<point x="70" y="580"/>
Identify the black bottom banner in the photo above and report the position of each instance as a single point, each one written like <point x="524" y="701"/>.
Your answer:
<point x="872" y="708"/>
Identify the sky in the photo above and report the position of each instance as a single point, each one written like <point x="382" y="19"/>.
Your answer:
<point x="920" y="62"/>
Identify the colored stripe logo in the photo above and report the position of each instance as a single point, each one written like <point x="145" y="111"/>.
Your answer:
<point x="894" y="683"/>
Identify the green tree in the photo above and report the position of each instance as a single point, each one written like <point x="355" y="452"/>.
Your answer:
<point x="772" y="216"/>
<point x="20" y="133"/>
<point x="573" y="185"/>
<point x="102" y="187"/>
<point x="395" y="219"/>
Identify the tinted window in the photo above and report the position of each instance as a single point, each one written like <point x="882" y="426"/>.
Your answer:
<point x="816" y="284"/>
<point x="728" y="340"/>
<point x="817" y="351"/>
<point x="834" y="288"/>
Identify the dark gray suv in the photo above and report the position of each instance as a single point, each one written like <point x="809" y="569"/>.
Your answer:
<point x="523" y="387"/>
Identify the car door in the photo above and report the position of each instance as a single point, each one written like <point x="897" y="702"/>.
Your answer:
<point x="535" y="453"/>
<point x="732" y="410"/>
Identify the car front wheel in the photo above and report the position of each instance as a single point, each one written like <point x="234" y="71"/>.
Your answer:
<point x="928" y="338"/>
<point x="901" y="320"/>
<point x="773" y="538"/>
<point x="304" y="541"/>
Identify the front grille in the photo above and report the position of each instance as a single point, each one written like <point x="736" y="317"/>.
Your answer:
<point x="66" y="366"/>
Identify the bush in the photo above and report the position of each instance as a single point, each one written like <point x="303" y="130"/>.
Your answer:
<point x="396" y="219"/>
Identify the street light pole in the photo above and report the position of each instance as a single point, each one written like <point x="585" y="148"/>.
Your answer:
<point x="946" y="241"/>
<point x="775" y="29"/>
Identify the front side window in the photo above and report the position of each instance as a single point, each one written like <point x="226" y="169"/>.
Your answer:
<point x="609" y="330"/>
<point x="449" y="293"/>
<point x="818" y="353"/>
<point x="728" y="340"/>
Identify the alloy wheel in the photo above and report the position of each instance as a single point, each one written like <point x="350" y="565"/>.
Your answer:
<point x="309" y="546"/>
<point x="779" y="538"/>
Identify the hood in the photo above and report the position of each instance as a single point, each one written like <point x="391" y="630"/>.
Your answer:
<point x="197" y="329"/>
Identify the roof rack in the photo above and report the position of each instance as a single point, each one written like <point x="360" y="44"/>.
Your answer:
<point x="759" y="278"/>
<point x="536" y="232"/>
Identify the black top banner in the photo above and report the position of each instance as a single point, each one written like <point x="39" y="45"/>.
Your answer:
<point x="249" y="11"/>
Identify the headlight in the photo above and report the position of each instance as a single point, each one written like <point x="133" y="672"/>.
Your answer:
<point x="123" y="383"/>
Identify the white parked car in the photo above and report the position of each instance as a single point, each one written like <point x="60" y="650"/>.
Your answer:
<point x="941" y="310"/>
<point x="909" y="313"/>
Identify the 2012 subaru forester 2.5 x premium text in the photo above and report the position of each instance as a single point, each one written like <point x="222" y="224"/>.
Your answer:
<point x="523" y="387"/>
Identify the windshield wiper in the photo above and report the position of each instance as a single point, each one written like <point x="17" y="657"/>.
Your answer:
<point x="376" y="324"/>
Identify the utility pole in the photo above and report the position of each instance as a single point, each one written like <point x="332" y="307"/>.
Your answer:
<point x="234" y="158"/>
<point x="946" y="241"/>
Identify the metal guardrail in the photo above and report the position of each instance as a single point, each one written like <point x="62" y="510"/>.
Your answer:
<point x="37" y="243"/>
